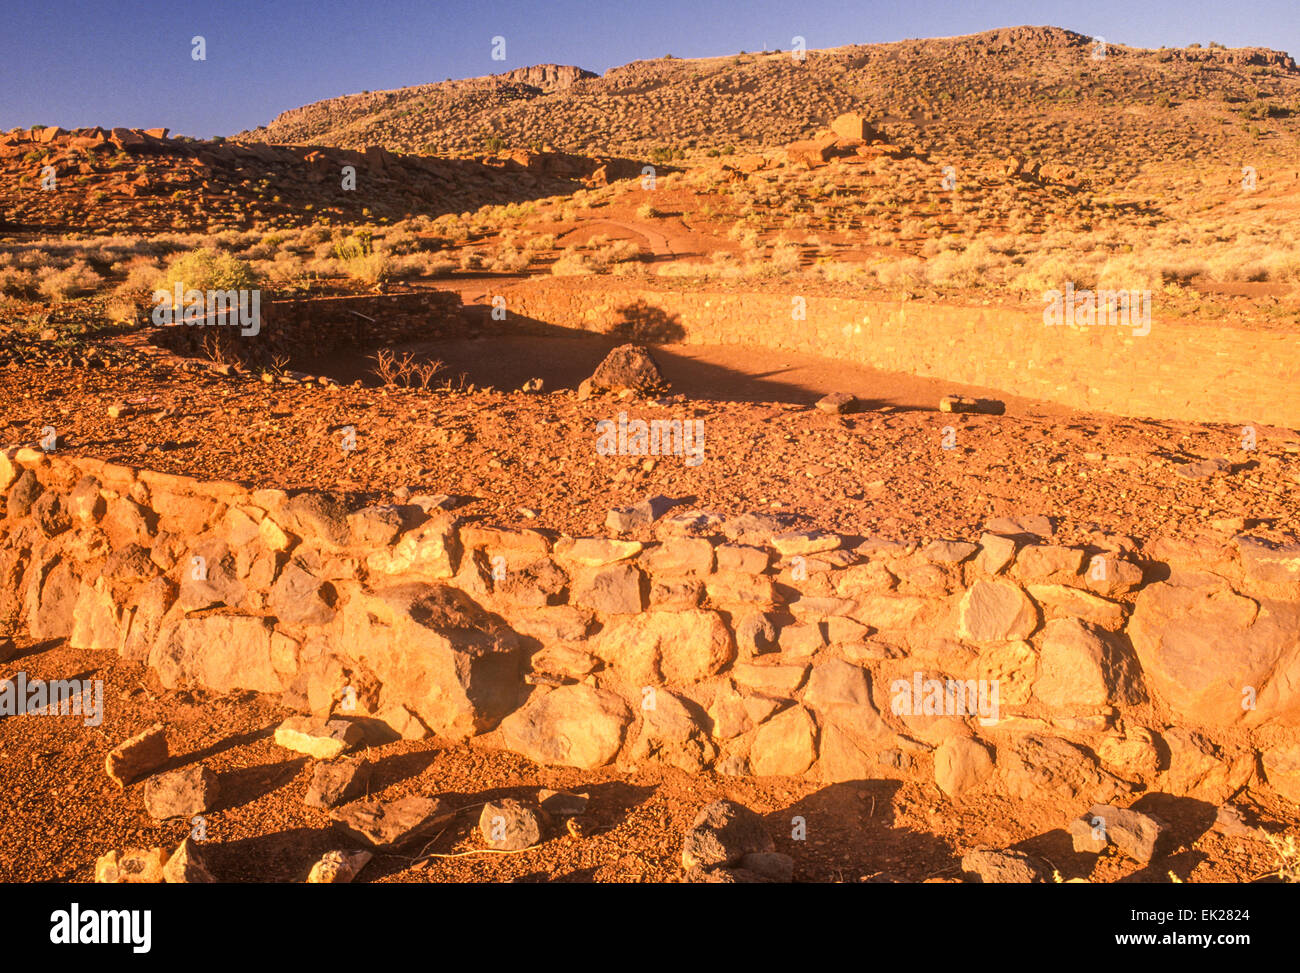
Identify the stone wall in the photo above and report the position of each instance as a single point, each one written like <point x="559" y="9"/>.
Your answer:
<point x="321" y="326"/>
<point x="1180" y="370"/>
<point x="729" y="646"/>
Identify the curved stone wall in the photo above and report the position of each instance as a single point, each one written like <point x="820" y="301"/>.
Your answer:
<point x="1180" y="370"/>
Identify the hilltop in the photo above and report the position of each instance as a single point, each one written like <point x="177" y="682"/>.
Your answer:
<point x="1033" y="90"/>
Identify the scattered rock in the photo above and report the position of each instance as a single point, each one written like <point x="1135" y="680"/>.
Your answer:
<point x="181" y="793"/>
<point x="628" y="367"/>
<point x="643" y="514"/>
<point x="338" y="867"/>
<point x="186" y="866"/>
<point x="561" y="804"/>
<point x="1231" y="822"/>
<point x="1087" y="836"/>
<point x="335" y="783"/>
<point x="838" y="402"/>
<point x="132" y="866"/>
<point x="796" y="542"/>
<point x="509" y="825"/>
<point x="1132" y="832"/>
<point x="962" y="403"/>
<point x="771" y="865"/>
<point x="998" y="867"/>
<point x="1204" y="469"/>
<point x="390" y="824"/>
<point x="722" y="834"/>
<point x="137" y="757"/>
<point x="322" y="740"/>
<point x="1035" y="525"/>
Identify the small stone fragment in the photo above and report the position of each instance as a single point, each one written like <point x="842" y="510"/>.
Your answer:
<point x="838" y="403"/>
<point x="389" y="824"/>
<point x="181" y="793"/>
<point x="561" y="804"/>
<point x="186" y="866"/>
<point x="963" y="403"/>
<point x="1132" y="832"/>
<point x="322" y="740"/>
<point x="131" y="866"/>
<point x="997" y="867"/>
<point x="509" y="825"/>
<point x="722" y="834"/>
<point x="137" y="757"/>
<point x="335" y="783"/>
<point x="1087" y="837"/>
<point x="338" y="867"/>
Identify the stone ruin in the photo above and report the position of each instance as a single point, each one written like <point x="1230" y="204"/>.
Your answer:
<point x="735" y="646"/>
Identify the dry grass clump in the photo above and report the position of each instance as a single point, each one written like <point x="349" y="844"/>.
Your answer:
<point x="602" y="257"/>
<point x="74" y="280"/>
<point x="361" y="259"/>
<point x="16" y="281"/>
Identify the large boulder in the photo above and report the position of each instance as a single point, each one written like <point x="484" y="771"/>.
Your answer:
<point x="628" y="367"/>
<point x="573" y="726"/>
<point x="851" y="125"/>
<point x="1218" y="657"/>
<point x="678" y="647"/>
<point x="434" y="650"/>
<point x="1082" y="666"/>
<point x="218" y="652"/>
<point x="672" y="732"/>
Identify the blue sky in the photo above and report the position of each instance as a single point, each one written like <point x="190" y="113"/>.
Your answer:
<point x="129" y="63"/>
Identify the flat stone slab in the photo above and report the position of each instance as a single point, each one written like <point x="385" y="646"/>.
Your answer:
<point x="322" y="740"/>
<point x="388" y="824"/>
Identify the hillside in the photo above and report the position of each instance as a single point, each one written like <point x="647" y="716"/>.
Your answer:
<point x="1032" y="90"/>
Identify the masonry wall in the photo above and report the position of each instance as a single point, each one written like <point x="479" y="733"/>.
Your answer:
<point x="1181" y="370"/>
<point x="715" y="646"/>
<point x="289" y="329"/>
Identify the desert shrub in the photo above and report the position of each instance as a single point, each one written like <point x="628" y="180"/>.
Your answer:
<point x="619" y="251"/>
<point x="905" y="273"/>
<point x="572" y="263"/>
<point x="16" y="282"/>
<point x="423" y="265"/>
<point x="786" y="258"/>
<point x="72" y="281"/>
<point x="207" y="269"/>
<point x="646" y="212"/>
<point x="511" y="261"/>
<point x="141" y="275"/>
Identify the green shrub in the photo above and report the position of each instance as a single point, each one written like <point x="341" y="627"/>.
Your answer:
<point x="207" y="269"/>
